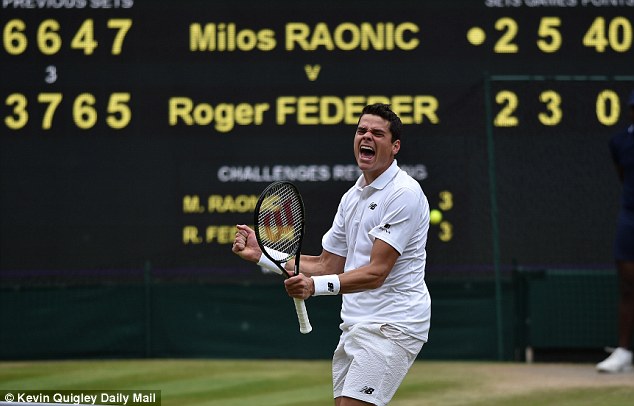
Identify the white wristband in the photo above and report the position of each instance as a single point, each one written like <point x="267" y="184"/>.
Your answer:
<point x="326" y="285"/>
<point x="266" y="263"/>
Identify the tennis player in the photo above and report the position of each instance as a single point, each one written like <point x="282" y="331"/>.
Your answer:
<point x="622" y="150"/>
<point x="374" y="255"/>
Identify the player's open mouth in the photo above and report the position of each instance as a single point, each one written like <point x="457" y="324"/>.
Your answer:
<point x="366" y="152"/>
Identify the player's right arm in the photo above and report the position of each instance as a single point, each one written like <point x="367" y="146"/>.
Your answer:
<point x="245" y="245"/>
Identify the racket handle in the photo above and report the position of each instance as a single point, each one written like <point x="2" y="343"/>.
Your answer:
<point x="302" y="316"/>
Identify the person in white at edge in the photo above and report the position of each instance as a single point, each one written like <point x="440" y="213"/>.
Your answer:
<point x="374" y="254"/>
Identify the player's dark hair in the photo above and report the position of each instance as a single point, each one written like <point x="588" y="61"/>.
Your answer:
<point x="384" y="111"/>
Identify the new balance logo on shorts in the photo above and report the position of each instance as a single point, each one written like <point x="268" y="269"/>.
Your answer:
<point x="367" y="390"/>
<point x="331" y="287"/>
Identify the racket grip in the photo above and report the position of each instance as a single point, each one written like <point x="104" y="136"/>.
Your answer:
<point x="302" y="316"/>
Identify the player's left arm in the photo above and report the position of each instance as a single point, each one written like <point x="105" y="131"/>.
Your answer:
<point x="388" y="242"/>
<point x="371" y="276"/>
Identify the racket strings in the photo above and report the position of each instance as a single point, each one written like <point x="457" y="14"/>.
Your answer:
<point x="280" y="222"/>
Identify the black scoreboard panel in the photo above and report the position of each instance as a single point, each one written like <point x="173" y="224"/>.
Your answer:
<point x="140" y="132"/>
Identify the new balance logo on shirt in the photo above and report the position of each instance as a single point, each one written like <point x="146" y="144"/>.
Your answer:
<point x="367" y="390"/>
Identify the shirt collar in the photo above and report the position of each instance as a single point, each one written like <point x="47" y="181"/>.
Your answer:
<point x="382" y="181"/>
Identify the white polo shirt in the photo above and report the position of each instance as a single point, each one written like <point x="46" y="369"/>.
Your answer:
<point x="394" y="209"/>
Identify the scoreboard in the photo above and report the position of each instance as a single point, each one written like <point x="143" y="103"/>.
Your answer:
<point x="136" y="132"/>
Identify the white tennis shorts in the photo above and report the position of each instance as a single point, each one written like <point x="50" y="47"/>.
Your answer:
<point x="371" y="361"/>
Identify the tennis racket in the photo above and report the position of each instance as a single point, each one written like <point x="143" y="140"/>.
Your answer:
<point x="279" y="230"/>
